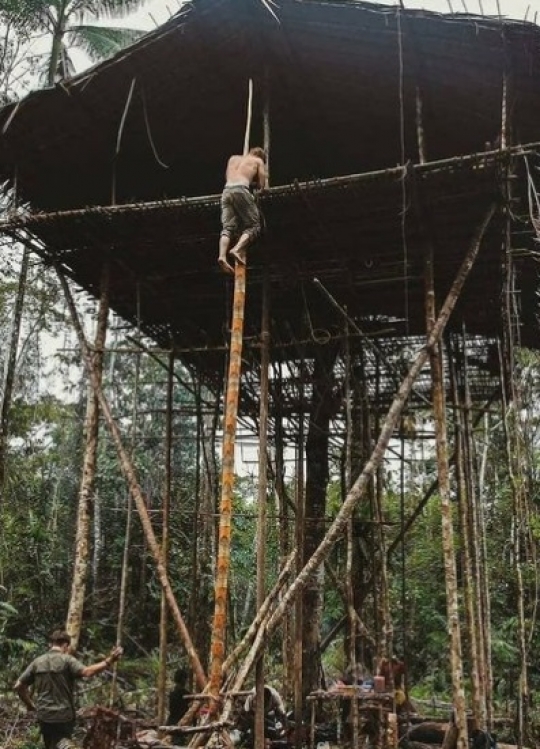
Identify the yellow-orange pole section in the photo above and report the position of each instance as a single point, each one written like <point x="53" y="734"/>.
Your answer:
<point x="227" y="482"/>
<point x="219" y="625"/>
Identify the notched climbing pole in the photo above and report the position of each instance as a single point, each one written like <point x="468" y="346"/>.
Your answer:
<point x="227" y="480"/>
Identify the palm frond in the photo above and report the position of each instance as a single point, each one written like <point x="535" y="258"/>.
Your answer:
<point x="105" y="8"/>
<point x="99" y="42"/>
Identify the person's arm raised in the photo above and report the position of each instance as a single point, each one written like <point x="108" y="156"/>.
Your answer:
<point x="97" y="668"/>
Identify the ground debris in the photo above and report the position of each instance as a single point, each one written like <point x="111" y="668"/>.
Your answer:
<point x="108" y="729"/>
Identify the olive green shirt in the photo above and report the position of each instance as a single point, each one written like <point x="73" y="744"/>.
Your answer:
<point x="52" y="677"/>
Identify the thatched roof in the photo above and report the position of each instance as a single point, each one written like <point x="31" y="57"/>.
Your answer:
<point x="157" y="122"/>
<point x="334" y="76"/>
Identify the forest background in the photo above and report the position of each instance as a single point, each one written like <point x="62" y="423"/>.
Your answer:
<point x="44" y="401"/>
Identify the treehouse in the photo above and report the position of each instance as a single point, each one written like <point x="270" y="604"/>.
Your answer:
<point x="403" y="161"/>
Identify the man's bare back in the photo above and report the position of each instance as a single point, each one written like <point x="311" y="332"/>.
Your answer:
<point x="246" y="170"/>
<point x="240" y="217"/>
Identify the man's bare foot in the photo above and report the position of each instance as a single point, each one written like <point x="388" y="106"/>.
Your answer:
<point x="239" y="255"/>
<point x="224" y="265"/>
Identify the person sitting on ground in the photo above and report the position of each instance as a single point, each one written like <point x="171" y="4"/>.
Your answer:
<point x="178" y="704"/>
<point x="274" y="710"/>
<point x="47" y="686"/>
<point x="240" y="217"/>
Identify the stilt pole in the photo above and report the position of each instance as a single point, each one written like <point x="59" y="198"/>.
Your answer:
<point x="262" y="498"/>
<point x="166" y="508"/>
<point x="441" y="443"/>
<point x="349" y="588"/>
<point x="227" y="481"/>
<point x="263" y="444"/>
<point x="299" y="542"/>
<point x="219" y="625"/>
<point x="87" y="486"/>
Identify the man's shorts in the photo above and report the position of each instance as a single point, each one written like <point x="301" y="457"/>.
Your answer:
<point x="239" y="213"/>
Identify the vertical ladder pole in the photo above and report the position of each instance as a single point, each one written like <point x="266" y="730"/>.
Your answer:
<point x="263" y="443"/>
<point x="219" y="625"/>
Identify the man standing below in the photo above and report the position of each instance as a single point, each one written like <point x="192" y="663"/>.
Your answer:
<point x="178" y="705"/>
<point x="52" y="679"/>
<point x="240" y="216"/>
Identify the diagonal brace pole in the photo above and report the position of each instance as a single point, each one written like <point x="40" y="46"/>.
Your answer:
<point x="337" y="528"/>
<point x="130" y="475"/>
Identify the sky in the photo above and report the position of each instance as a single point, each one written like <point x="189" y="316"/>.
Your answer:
<point x="160" y="10"/>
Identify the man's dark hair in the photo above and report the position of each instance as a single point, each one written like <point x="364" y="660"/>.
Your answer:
<point x="259" y="152"/>
<point x="60" y="637"/>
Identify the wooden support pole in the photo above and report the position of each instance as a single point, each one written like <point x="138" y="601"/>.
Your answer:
<point x="219" y="624"/>
<point x="9" y="380"/>
<point x="86" y="490"/>
<point x="128" y="469"/>
<point x="122" y="596"/>
<point x="299" y="543"/>
<point x="468" y="541"/>
<point x="227" y="481"/>
<point x="482" y="614"/>
<point x="262" y="497"/>
<point x="338" y="526"/>
<point x="166" y="509"/>
<point x="263" y="446"/>
<point x="441" y="442"/>
<point x="283" y="504"/>
<point x="349" y="584"/>
<point x="262" y="613"/>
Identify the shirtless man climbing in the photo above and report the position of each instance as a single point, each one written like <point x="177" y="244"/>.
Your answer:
<point x="239" y="212"/>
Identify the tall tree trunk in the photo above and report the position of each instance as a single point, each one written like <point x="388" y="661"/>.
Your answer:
<point x="59" y="29"/>
<point x="324" y="405"/>
<point x="469" y="588"/>
<point x="86" y="491"/>
<point x="9" y="378"/>
<point x="360" y="441"/>
<point x="479" y="561"/>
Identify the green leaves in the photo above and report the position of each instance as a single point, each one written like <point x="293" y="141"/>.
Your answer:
<point x="99" y="42"/>
<point x="70" y="23"/>
<point x="6" y="609"/>
<point x="105" y="8"/>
